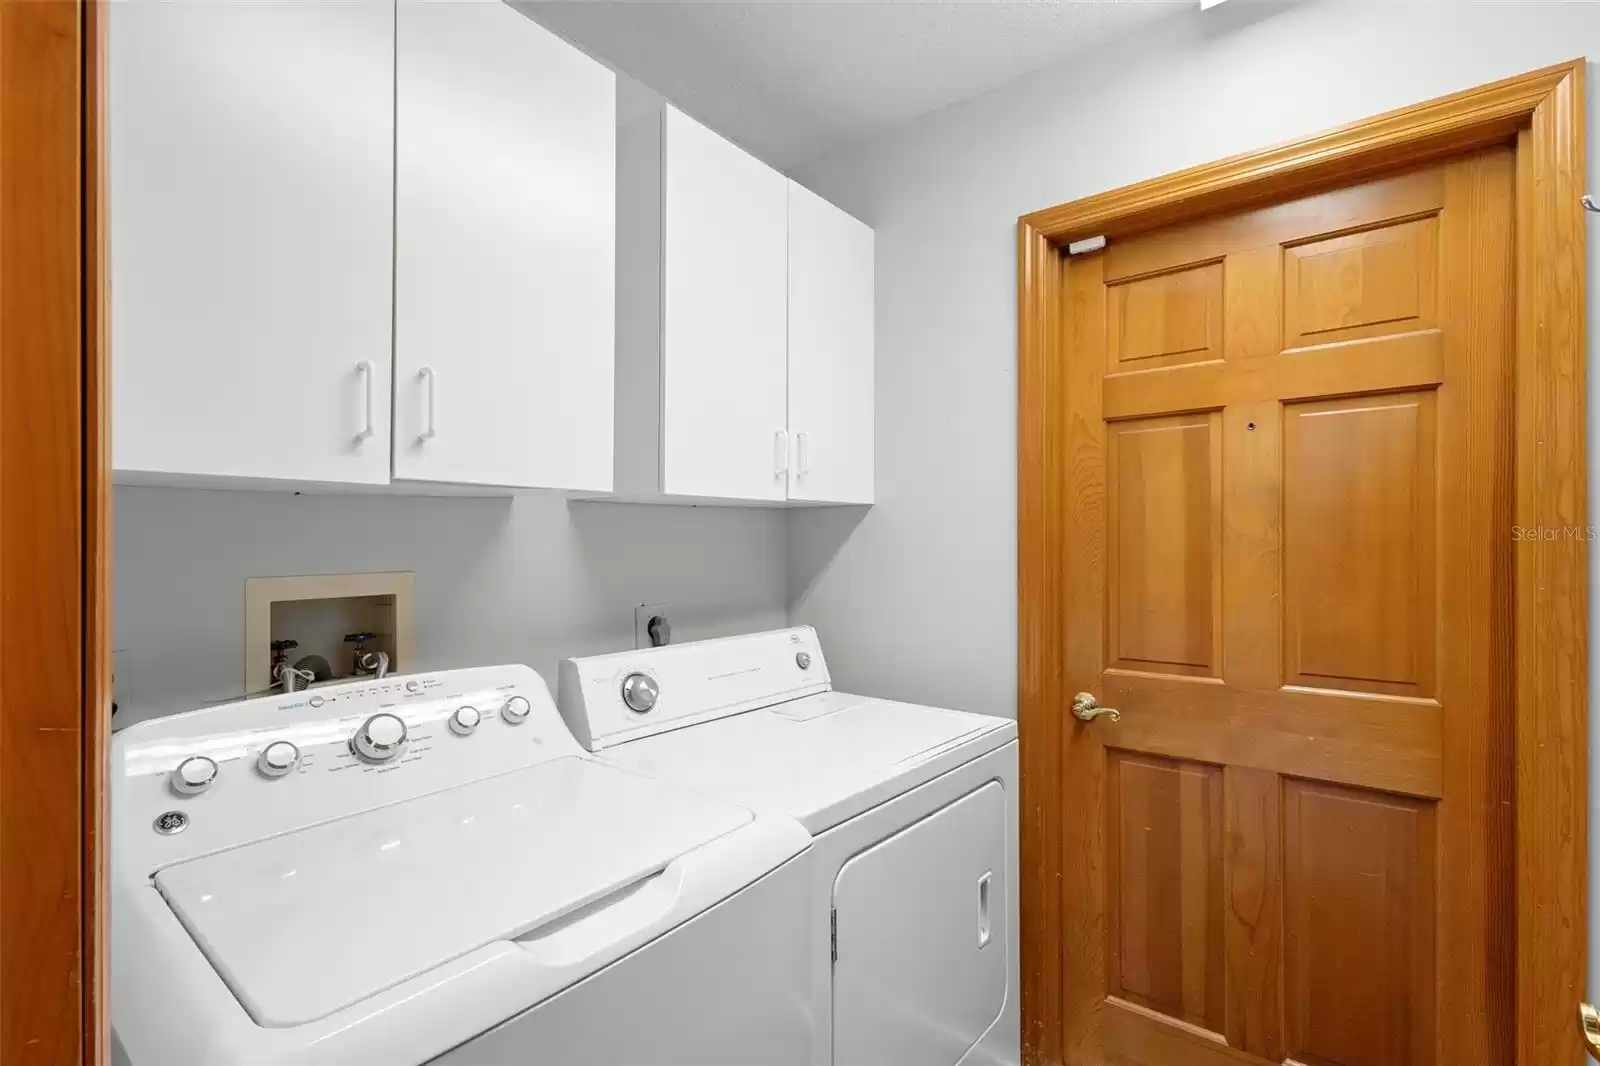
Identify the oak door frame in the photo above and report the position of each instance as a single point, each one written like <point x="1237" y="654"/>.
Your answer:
<point x="1542" y="114"/>
<point x="55" y="690"/>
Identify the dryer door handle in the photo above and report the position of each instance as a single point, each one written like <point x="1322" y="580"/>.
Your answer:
<point x="985" y="928"/>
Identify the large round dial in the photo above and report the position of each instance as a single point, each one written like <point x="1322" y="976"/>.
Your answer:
<point x="277" y="759"/>
<point x="639" y="692"/>
<point x="380" y="737"/>
<point x="515" y="710"/>
<point x="194" y="775"/>
<point x="463" y="720"/>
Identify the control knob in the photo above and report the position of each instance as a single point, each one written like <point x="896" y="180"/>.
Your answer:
<point x="463" y="720"/>
<point x="639" y="692"/>
<point x="380" y="737"/>
<point x="277" y="759"/>
<point x="194" y="775"/>
<point x="515" y="710"/>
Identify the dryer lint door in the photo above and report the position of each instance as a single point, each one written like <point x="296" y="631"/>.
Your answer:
<point x="920" y="970"/>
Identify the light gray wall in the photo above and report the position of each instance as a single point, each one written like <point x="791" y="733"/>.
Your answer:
<point x="531" y="579"/>
<point x="916" y="599"/>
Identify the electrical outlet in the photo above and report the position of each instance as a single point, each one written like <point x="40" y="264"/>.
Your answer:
<point x="641" y="622"/>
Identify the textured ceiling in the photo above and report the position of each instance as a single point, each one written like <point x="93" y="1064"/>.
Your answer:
<point x="793" y="79"/>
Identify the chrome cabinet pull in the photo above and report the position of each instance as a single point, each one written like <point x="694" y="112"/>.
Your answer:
<point x="780" y="454"/>
<point x="802" y="454"/>
<point x="430" y="375"/>
<point x="364" y="368"/>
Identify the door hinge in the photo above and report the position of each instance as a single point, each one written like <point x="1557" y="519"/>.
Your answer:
<point x="833" y="934"/>
<point x="1088" y="244"/>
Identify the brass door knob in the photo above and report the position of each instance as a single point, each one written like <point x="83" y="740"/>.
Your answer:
<point x="1085" y="709"/>
<point x="1589" y="1026"/>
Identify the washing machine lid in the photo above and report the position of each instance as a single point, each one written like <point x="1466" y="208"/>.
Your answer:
<point x="821" y="759"/>
<point x="304" y="924"/>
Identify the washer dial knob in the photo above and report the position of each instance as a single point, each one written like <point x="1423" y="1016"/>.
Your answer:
<point x="639" y="692"/>
<point x="380" y="737"/>
<point x="463" y="720"/>
<point x="515" y="710"/>
<point x="277" y="759"/>
<point x="194" y="775"/>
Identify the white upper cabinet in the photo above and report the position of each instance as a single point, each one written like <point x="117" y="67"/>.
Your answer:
<point x="744" y="328"/>
<point x="251" y="219"/>
<point x="505" y="252"/>
<point x="325" y="212"/>
<point x="724" y="291"/>
<point x="831" y="323"/>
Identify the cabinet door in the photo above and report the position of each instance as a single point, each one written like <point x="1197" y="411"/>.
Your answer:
<point x="724" y="295"/>
<point x="830" y="352"/>
<point x="505" y="251"/>
<point x="251" y="241"/>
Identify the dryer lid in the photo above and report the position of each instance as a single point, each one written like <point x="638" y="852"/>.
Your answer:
<point x="304" y="924"/>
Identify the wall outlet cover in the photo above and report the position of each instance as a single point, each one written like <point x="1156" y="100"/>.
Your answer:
<point x="641" y="621"/>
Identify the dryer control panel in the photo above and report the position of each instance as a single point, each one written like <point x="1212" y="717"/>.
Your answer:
<point x="222" y="776"/>
<point x="611" y="699"/>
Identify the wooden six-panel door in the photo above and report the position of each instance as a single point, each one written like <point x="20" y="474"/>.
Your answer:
<point x="1289" y="550"/>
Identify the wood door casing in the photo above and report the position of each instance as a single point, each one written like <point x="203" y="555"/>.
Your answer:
<point x="1288" y="562"/>
<point x="55" y="711"/>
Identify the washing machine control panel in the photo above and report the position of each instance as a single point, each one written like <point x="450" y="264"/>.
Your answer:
<point x="226" y="775"/>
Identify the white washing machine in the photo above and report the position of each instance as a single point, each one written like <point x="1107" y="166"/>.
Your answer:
<point x="430" y="869"/>
<point x="913" y="811"/>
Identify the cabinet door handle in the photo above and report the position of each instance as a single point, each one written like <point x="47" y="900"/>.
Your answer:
<point x="780" y="454"/>
<point x="431" y="376"/>
<point x="802" y="454"/>
<point x="364" y="368"/>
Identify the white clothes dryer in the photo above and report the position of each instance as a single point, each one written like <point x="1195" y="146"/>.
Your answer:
<point x="913" y="811"/>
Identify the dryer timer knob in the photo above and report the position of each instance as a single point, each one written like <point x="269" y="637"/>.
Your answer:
<point x="516" y="709"/>
<point x="639" y="692"/>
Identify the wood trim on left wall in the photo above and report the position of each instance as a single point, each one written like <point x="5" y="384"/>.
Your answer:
<point x="55" y="693"/>
<point x="97" y="591"/>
